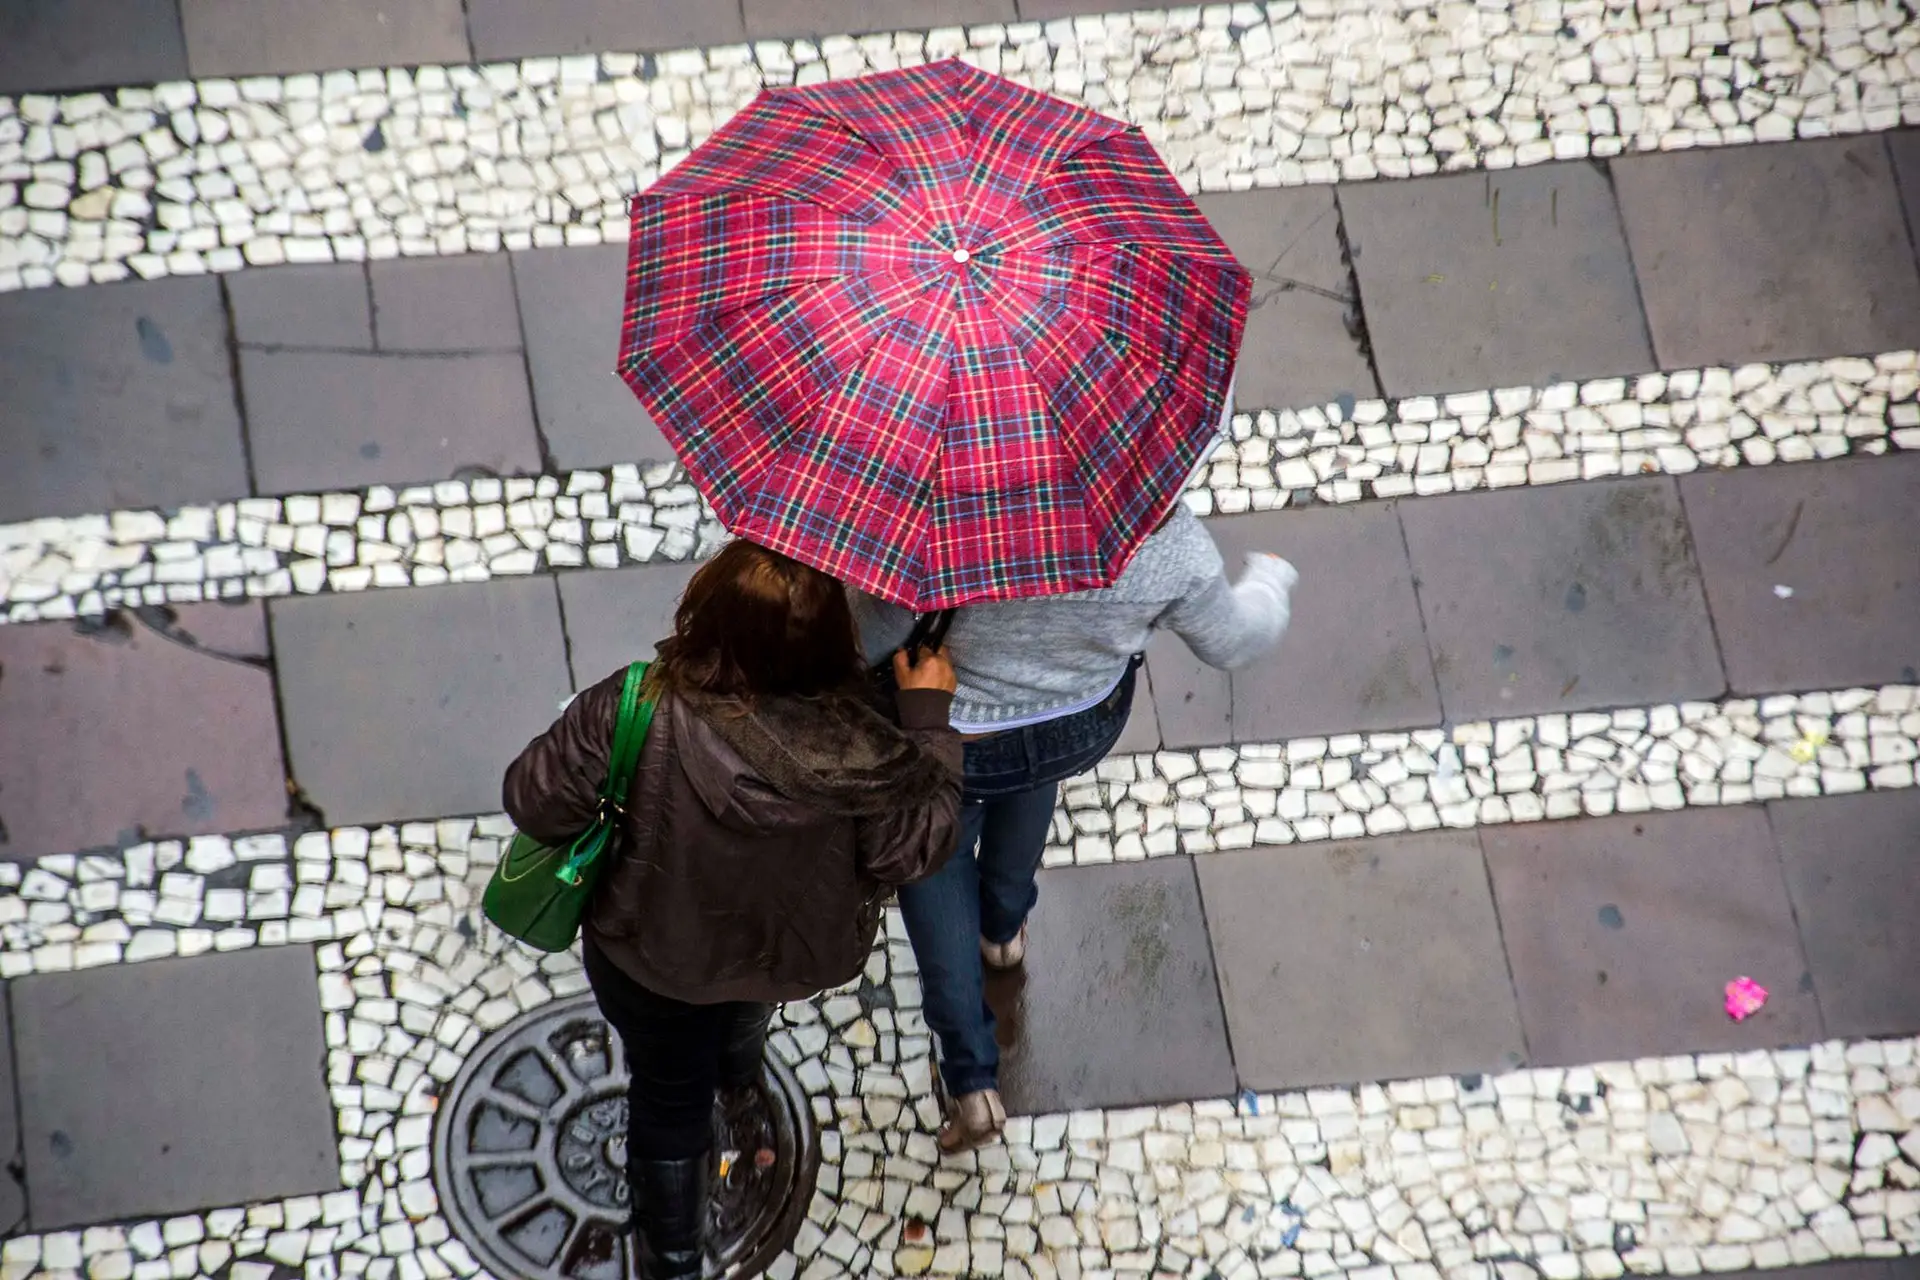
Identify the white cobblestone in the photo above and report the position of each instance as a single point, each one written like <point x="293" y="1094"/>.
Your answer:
<point x="58" y="568"/>
<point x="436" y="159"/>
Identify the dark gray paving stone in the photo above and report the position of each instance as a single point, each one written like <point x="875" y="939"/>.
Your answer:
<point x="341" y="420"/>
<point x="1776" y="252"/>
<point x="516" y="28"/>
<point x="137" y="733"/>
<point x="1193" y="703"/>
<point x="173" y="1085"/>
<point x="116" y="396"/>
<point x="571" y="302"/>
<point x="1041" y="10"/>
<point x="1116" y="1005"/>
<point x="834" y="17"/>
<point x="1494" y="279"/>
<point x="1841" y="536"/>
<point x="452" y="681"/>
<point x="1370" y="960"/>
<point x="1855" y="1269"/>
<point x="616" y="617"/>
<point x="1850" y="865"/>
<point x="1142" y="732"/>
<point x="84" y="44"/>
<point x="258" y="37"/>
<point x="1353" y="657"/>
<point x="13" y="1198"/>
<point x="1903" y="147"/>
<point x="319" y="306"/>
<point x="460" y="303"/>
<point x="1623" y="932"/>
<point x="1298" y="349"/>
<point x="1563" y="597"/>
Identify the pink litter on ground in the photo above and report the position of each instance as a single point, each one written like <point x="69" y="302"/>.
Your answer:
<point x="1744" y="997"/>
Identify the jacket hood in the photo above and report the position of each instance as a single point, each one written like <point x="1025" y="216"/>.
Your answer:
<point x="783" y="762"/>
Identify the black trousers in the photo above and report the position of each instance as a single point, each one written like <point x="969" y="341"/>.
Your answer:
<point x="678" y="1054"/>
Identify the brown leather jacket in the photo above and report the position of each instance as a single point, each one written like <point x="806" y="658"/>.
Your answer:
<point x="759" y="844"/>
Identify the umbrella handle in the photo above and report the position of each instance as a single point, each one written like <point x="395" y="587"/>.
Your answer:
<point x="929" y="632"/>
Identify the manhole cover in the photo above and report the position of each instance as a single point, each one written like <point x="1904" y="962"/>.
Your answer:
<point x="530" y="1156"/>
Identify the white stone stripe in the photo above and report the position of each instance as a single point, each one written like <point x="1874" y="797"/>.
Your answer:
<point x="1687" y="755"/>
<point x="469" y="531"/>
<point x="1715" y="1161"/>
<point x="191" y="177"/>
<point x="209" y="893"/>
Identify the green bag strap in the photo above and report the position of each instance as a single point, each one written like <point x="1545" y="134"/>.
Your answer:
<point x="629" y="735"/>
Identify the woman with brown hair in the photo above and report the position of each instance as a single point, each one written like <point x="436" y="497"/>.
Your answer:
<point x="772" y="812"/>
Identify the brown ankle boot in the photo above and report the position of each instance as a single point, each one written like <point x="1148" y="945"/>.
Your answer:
<point x="974" y="1120"/>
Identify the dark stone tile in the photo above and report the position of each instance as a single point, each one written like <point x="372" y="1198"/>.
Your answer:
<point x="1770" y="253"/>
<point x="517" y="28"/>
<point x="320" y="306"/>
<point x="137" y="733"/>
<point x="1903" y="147"/>
<point x="1384" y="955"/>
<point x="452" y="681"/>
<point x="331" y="420"/>
<point x="13" y="1196"/>
<point x="616" y="617"/>
<point x="571" y="302"/>
<point x="259" y="37"/>
<point x="116" y="396"/>
<point x="1297" y="350"/>
<point x="85" y="44"/>
<point x="461" y="303"/>
<point x="1840" y="535"/>
<point x="1042" y="10"/>
<point x="834" y="17"/>
<point x="173" y="1085"/>
<point x="1142" y="732"/>
<point x="1116" y="1005"/>
<point x="1193" y="703"/>
<point x="1510" y="278"/>
<point x="1556" y="598"/>
<point x="1850" y="864"/>
<point x="1623" y="932"/>
<point x="1854" y="1269"/>
<point x="1351" y="659"/>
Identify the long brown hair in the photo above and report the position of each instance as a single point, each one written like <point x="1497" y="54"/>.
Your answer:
<point x="755" y="623"/>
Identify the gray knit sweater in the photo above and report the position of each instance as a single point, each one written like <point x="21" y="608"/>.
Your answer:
<point x="1023" y="661"/>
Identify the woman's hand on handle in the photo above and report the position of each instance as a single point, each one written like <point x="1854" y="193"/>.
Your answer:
<point x="932" y="671"/>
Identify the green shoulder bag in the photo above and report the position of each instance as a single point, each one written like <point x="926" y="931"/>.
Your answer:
<point x="539" y="891"/>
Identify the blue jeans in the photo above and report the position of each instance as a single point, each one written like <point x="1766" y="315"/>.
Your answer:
<point x="1011" y="781"/>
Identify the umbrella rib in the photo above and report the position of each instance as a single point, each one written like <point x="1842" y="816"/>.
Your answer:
<point x="863" y="353"/>
<point x="1085" y="496"/>
<point x="1071" y="304"/>
<point x="913" y="210"/>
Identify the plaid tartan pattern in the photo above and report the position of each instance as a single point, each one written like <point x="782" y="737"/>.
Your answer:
<point x="935" y="432"/>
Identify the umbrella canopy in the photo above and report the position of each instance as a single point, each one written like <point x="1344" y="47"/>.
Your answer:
<point x="937" y="334"/>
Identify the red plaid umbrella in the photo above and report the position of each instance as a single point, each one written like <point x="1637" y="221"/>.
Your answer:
<point x="937" y="334"/>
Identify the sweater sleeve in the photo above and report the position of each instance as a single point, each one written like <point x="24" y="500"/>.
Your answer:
<point x="1228" y="625"/>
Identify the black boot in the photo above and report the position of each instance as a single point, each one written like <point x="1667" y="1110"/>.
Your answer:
<point x="670" y="1216"/>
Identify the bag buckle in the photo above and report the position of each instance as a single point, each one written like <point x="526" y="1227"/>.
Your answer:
<point x="605" y="811"/>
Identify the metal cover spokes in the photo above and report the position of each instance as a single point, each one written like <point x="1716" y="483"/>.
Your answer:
<point x="530" y="1155"/>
